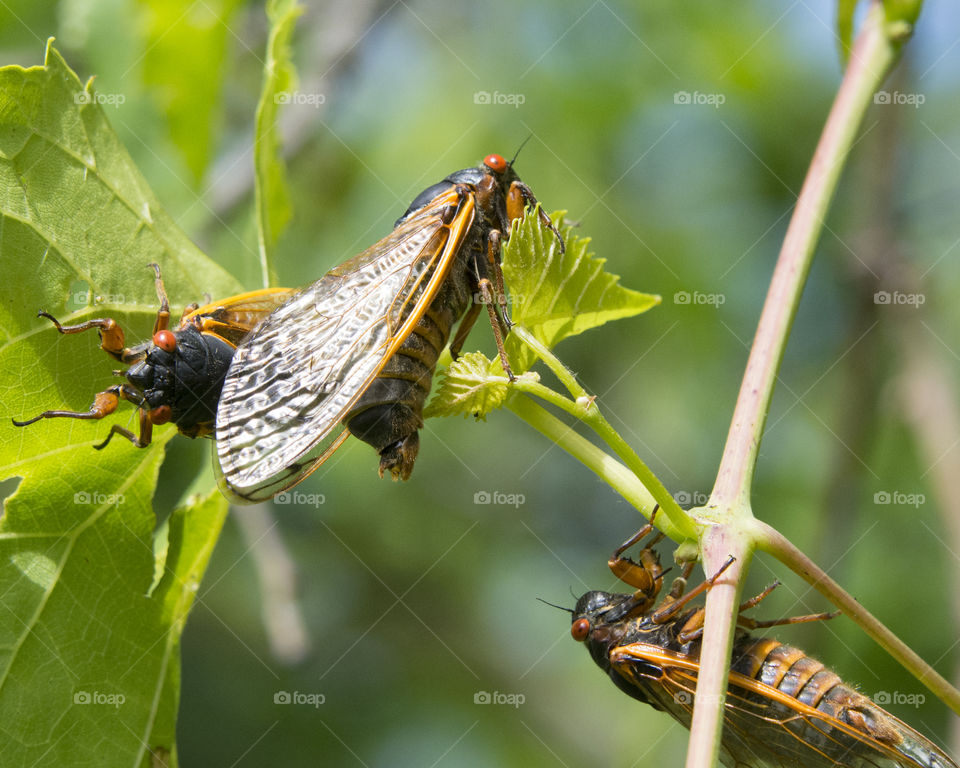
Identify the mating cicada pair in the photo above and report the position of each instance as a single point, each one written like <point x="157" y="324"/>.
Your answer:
<point x="281" y="377"/>
<point x="782" y="708"/>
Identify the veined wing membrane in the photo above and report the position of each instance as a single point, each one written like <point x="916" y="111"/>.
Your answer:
<point x="767" y="728"/>
<point x="297" y="376"/>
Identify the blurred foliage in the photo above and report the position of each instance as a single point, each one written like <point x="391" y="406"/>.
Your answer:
<point x="415" y="597"/>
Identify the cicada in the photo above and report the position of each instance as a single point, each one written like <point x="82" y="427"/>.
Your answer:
<point x="355" y="352"/>
<point x="177" y="375"/>
<point x="782" y="707"/>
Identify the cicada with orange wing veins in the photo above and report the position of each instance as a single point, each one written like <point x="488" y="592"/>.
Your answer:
<point x="782" y="707"/>
<point x="177" y="375"/>
<point x="355" y="352"/>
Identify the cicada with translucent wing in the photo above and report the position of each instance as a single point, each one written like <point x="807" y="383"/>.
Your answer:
<point x="355" y="352"/>
<point x="177" y="375"/>
<point x="782" y="707"/>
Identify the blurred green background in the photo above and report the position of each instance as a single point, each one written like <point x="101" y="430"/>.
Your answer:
<point x="678" y="135"/>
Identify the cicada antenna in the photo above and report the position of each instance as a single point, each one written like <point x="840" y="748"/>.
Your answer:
<point x="522" y="145"/>
<point x="554" y="605"/>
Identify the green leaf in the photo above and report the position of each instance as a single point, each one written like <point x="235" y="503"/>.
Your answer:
<point x="553" y="296"/>
<point x="78" y="226"/>
<point x="193" y="531"/>
<point x="556" y="295"/>
<point x="472" y="386"/>
<point x="184" y="49"/>
<point x="279" y="81"/>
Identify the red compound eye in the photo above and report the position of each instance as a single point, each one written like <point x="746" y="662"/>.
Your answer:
<point x="161" y="414"/>
<point x="165" y="340"/>
<point x="495" y="163"/>
<point x="580" y="629"/>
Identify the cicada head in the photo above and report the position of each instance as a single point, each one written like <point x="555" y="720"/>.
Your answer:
<point x="598" y="621"/>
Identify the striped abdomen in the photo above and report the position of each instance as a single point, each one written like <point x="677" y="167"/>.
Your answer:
<point x="389" y="413"/>
<point x="792" y="673"/>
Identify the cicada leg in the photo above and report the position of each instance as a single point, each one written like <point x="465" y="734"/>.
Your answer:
<point x="463" y="330"/>
<point x="492" y="295"/>
<point x="105" y="403"/>
<point x="670" y="608"/>
<point x="111" y="336"/>
<point x="488" y="298"/>
<point x="693" y="628"/>
<point x="141" y="441"/>
<point x="646" y="576"/>
<point x="679" y="585"/>
<point x="746" y="621"/>
<point x="518" y="197"/>
<point x="192" y="307"/>
<point x="162" y="322"/>
<point x="112" y="342"/>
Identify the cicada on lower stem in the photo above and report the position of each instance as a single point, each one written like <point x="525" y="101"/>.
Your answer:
<point x="355" y="352"/>
<point x="177" y="375"/>
<point x="782" y="707"/>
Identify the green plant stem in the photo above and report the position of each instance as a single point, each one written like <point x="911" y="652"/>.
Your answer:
<point x="775" y="543"/>
<point x="871" y="58"/>
<point x="587" y="411"/>
<point x="611" y="471"/>
<point x="552" y="362"/>
<point x="718" y="543"/>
